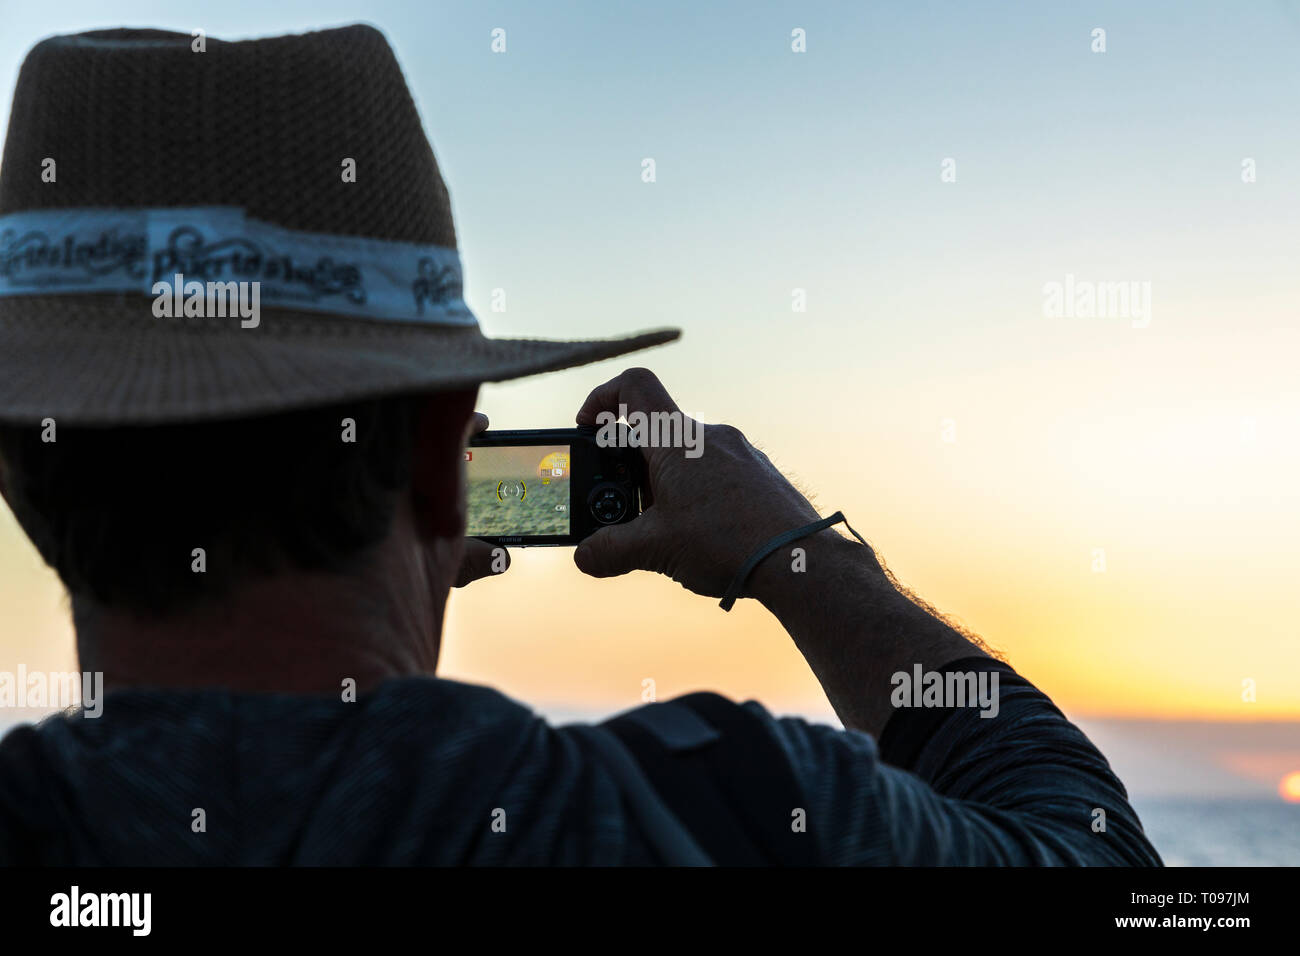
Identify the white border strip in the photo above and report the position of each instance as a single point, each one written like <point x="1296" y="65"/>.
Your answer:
<point x="70" y="251"/>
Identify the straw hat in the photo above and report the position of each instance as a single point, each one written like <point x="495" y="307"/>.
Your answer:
<point x="174" y="171"/>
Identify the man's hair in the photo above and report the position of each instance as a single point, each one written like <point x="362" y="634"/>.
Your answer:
<point x="118" y="512"/>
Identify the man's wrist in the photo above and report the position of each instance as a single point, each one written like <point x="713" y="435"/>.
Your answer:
<point x="813" y="568"/>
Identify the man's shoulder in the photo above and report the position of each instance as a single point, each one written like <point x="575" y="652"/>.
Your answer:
<point x="695" y="720"/>
<point x="438" y="700"/>
<point x="726" y="772"/>
<point x="447" y="700"/>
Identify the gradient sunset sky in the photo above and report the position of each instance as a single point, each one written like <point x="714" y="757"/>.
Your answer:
<point x="1172" y="450"/>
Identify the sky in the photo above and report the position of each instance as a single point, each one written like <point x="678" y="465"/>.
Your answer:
<point x="1111" y="502"/>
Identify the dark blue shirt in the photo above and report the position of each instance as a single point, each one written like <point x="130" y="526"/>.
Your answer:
<point x="431" y="771"/>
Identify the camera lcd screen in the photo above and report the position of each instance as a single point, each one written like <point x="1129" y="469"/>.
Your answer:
<point x="518" y="490"/>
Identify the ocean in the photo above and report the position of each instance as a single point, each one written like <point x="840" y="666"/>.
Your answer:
<point x="1192" y="831"/>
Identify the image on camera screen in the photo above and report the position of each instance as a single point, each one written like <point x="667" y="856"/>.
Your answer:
<point x="517" y="489"/>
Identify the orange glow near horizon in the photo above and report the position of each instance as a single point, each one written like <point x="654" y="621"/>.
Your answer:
<point x="1289" y="787"/>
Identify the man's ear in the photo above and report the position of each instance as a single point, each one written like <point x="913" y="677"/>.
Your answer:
<point x="437" y="473"/>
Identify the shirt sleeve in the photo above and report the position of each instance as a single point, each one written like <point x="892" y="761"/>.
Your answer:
<point x="947" y="787"/>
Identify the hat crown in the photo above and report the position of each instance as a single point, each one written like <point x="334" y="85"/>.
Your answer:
<point x="224" y="168"/>
<point x="138" y="118"/>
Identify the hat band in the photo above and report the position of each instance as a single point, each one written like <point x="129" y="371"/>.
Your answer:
<point x="69" y="251"/>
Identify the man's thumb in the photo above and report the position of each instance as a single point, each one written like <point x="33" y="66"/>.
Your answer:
<point x="618" y="548"/>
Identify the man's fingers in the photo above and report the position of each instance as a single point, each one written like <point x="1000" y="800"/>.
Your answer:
<point x="478" y="422"/>
<point x="619" y="548"/>
<point x="637" y="388"/>
<point x="481" y="560"/>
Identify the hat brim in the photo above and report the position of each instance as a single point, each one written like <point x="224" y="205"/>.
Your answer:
<point x="103" y="360"/>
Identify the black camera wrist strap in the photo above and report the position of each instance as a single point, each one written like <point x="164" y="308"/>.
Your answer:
<point x="763" y="550"/>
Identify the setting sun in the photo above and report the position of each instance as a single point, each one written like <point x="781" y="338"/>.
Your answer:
<point x="1289" y="787"/>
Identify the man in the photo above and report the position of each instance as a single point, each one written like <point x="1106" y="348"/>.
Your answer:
<point x="238" y="567"/>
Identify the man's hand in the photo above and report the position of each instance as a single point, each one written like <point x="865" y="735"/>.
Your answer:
<point x="480" y="556"/>
<point x="708" y="513"/>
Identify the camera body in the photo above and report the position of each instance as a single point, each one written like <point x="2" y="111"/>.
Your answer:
<point x="549" y="486"/>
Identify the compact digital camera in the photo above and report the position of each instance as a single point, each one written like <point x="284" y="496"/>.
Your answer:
<point x="550" y="486"/>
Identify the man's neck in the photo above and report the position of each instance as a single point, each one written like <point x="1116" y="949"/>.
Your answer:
<point x="296" y="632"/>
